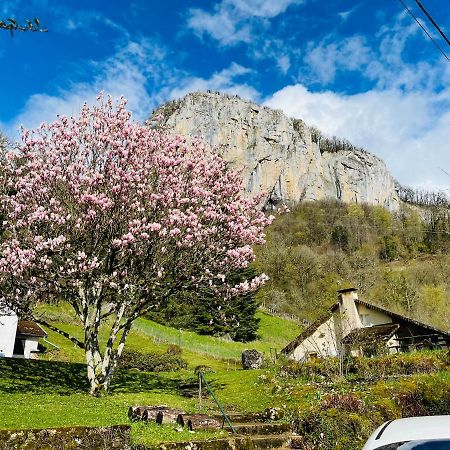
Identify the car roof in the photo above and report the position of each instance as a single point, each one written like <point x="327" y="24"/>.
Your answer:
<point x="410" y="429"/>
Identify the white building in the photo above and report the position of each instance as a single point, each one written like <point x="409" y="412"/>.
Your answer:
<point x="18" y="338"/>
<point x="354" y="326"/>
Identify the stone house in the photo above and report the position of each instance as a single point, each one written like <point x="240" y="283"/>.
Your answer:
<point x="18" y="338"/>
<point x="353" y="326"/>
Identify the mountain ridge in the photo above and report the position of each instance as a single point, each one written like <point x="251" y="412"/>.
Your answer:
<point x="278" y="155"/>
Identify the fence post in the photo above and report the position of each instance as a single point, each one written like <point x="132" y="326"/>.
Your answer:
<point x="200" y="392"/>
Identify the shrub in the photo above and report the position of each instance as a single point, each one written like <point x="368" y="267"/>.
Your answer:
<point x="332" y="429"/>
<point x="152" y="362"/>
<point x="174" y="349"/>
<point x="345" y="402"/>
<point x="345" y="420"/>
<point x="360" y="368"/>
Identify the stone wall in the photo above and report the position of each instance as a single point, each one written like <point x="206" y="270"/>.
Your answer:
<point x="80" y="438"/>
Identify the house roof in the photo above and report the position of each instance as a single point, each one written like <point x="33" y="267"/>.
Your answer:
<point x="371" y="334"/>
<point x="324" y="317"/>
<point x="29" y="328"/>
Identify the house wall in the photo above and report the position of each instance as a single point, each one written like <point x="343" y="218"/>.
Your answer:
<point x="322" y="342"/>
<point x="8" y="327"/>
<point x="31" y="345"/>
<point x="374" y="317"/>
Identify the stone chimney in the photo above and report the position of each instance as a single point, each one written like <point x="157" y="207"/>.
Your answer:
<point x="350" y="319"/>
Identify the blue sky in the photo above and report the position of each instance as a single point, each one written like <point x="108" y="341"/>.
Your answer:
<point x="360" y="70"/>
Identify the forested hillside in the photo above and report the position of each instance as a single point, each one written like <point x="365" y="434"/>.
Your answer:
<point x="397" y="260"/>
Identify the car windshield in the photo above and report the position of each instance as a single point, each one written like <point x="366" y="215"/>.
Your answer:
<point x="437" y="444"/>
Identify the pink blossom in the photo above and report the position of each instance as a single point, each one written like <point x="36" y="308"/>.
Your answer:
<point x="99" y="201"/>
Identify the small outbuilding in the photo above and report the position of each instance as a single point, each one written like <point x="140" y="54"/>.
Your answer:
<point x="18" y="338"/>
<point x="353" y="326"/>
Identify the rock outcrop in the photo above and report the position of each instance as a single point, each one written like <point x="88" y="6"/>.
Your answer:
<point x="276" y="153"/>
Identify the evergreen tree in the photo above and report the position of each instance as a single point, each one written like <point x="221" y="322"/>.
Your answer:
<point x="206" y="313"/>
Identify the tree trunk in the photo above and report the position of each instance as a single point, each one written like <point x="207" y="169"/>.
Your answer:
<point x="101" y="368"/>
<point x="92" y="349"/>
<point x="93" y="364"/>
<point x="110" y="363"/>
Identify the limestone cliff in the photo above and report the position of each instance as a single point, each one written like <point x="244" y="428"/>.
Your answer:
<point x="277" y="153"/>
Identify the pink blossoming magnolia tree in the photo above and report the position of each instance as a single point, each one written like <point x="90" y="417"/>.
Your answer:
<point x="115" y="218"/>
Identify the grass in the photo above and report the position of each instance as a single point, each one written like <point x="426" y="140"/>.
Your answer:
<point x="53" y="392"/>
<point x="152" y="434"/>
<point x="44" y="394"/>
<point x="149" y="337"/>
<point x="274" y="333"/>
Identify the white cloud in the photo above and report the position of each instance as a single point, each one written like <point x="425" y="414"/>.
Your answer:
<point x="84" y="21"/>
<point x="261" y="8"/>
<point x="347" y="54"/>
<point x="381" y="61"/>
<point x="275" y="49"/>
<point x="344" y="15"/>
<point x="284" y="63"/>
<point x="137" y="71"/>
<point x="220" y="25"/>
<point x="233" y="21"/>
<point x="224" y="81"/>
<point x="410" y="131"/>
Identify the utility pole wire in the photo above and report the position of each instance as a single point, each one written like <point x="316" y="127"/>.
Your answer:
<point x="446" y="173"/>
<point x="425" y="30"/>
<point x="432" y="21"/>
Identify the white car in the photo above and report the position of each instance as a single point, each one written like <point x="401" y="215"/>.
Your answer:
<point x="418" y="433"/>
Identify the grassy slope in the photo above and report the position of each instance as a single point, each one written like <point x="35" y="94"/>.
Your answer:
<point x="148" y="336"/>
<point x="44" y="394"/>
<point x="41" y="394"/>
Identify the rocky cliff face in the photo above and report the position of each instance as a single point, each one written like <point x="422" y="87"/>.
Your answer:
<point x="277" y="154"/>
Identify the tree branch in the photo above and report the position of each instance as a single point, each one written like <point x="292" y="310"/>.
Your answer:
<point x="61" y="332"/>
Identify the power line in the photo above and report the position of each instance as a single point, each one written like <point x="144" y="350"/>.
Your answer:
<point x="446" y="173"/>
<point x="432" y="21"/>
<point x="425" y="30"/>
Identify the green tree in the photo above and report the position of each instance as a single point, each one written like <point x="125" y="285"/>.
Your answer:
<point x="390" y="247"/>
<point x="435" y="305"/>
<point x="207" y="313"/>
<point x="340" y="238"/>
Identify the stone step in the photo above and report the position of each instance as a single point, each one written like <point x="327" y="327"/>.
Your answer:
<point x="255" y="428"/>
<point x="267" y="442"/>
<point x="278" y="441"/>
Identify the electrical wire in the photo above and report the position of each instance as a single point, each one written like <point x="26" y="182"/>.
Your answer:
<point x="432" y="21"/>
<point x="425" y="30"/>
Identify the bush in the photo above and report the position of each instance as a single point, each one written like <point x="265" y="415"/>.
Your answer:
<point x="332" y="429"/>
<point x="174" y="349"/>
<point x="345" y="420"/>
<point x="152" y="362"/>
<point x="360" y="368"/>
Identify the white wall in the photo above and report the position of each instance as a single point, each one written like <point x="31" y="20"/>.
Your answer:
<point x="31" y="345"/>
<point x="374" y="316"/>
<point x="8" y="327"/>
<point x="323" y="341"/>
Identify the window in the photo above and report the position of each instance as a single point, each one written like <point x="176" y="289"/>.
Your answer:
<point x="365" y="320"/>
<point x="437" y="444"/>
